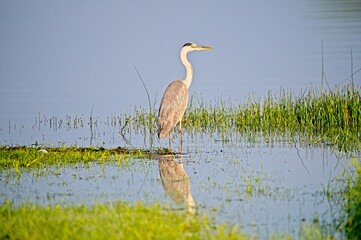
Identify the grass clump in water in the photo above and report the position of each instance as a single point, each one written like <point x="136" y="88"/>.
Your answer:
<point x="352" y="223"/>
<point x="26" y="157"/>
<point x="332" y="118"/>
<point x="112" y="221"/>
<point x="313" y="117"/>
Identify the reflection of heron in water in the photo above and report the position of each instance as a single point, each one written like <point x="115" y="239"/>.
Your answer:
<point x="175" y="98"/>
<point x="175" y="181"/>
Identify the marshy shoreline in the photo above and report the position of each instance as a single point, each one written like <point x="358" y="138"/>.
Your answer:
<point x="314" y="118"/>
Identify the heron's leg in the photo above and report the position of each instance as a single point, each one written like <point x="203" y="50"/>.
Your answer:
<point x="170" y="140"/>
<point x="181" y="138"/>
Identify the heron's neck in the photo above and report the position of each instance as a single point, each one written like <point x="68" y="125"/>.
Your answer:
<point x="189" y="70"/>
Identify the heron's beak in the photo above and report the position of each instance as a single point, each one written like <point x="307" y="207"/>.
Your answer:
<point x="202" y="47"/>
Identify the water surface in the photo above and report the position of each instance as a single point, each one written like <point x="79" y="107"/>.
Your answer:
<point x="263" y="189"/>
<point x="60" y="59"/>
<point x="65" y="74"/>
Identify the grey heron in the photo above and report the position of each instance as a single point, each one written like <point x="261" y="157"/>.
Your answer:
<point x="175" y="98"/>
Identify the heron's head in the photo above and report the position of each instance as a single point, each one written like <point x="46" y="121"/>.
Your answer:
<point x="190" y="46"/>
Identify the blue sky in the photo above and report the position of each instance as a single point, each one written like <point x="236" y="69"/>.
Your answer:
<point x="61" y="57"/>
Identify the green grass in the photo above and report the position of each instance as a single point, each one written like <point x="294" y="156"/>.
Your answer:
<point x="123" y="221"/>
<point x="330" y="118"/>
<point x="108" y="221"/>
<point x="326" y="118"/>
<point x="352" y="223"/>
<point x="26" y="157"/>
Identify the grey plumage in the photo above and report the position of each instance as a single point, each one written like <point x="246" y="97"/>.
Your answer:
<point x="175" y="98"/>
<point x="173" y="106"/>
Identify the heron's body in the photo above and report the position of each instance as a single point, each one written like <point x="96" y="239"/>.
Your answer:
<point x="172" y="108"/>
<point x="175" y="98"/>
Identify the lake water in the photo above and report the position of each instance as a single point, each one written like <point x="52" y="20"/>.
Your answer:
<point x="52" y="81"/>
<point x="56" y="60"/>
<point x="262" y="188"/>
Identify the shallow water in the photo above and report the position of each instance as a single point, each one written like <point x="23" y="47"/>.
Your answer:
<point x="262" y="188"/>
<point x="53" y="61"/>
